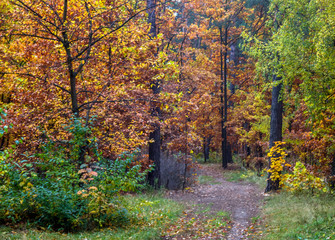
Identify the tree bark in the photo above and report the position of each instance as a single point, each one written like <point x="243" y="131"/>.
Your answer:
<point x="275" y="126"/>
<point x="233" y="58"/>
<point x="154" y="177"/>
<point x="207" y="142"/>
<point x="223" y="97"/>
<point x="332" y="178"/>
<point x="229" y="153"/>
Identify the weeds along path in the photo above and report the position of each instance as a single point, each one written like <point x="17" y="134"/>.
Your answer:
<point x="240" y="199"/>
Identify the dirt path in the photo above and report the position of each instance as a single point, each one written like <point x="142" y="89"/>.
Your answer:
<point x="241" y="200"/>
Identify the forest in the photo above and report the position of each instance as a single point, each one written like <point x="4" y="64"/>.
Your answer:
<point x="109" y="107"/>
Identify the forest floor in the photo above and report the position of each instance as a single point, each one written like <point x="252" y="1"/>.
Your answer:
<point x="233" y="207"/>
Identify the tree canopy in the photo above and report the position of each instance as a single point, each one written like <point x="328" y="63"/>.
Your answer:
<point x="97" y="81"/>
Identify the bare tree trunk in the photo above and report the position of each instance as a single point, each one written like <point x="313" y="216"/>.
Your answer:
<point x="229" y="153"/>
<point x="185" y="156"/>
<point x="154" y="177"/>
<point x="73" y="83"/>
<point x="275" y="126"/>
<point x="223" y="98"/>
<point x="207" y="142"/>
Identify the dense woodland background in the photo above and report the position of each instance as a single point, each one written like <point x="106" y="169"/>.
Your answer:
<point x="98" y="97"/>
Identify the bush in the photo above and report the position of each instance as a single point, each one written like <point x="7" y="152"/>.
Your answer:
<point x="301" y="179"/>
<point x="277" y="155"/>
<point x="50" y="190"/>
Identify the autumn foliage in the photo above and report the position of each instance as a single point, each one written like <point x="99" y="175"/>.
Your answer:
<point x="78" y="77"/>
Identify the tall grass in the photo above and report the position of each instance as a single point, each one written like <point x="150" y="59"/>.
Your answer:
<point x="302" y="216"/>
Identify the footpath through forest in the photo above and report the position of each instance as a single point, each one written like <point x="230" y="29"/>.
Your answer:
<point x="241" y="200"/>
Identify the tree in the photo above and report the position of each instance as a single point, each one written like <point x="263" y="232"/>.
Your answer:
<point x="302" y="69"/>
<point x="155" y="136"/>
<point x="276" y="126"/>
<point x="305" y="42"/>
<point x="68" y="59"/>
<point x="223" y="20"/>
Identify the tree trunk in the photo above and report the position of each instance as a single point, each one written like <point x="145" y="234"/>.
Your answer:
<point x="233" y="58"/>
<point x="155" y="141"/>
<point x="275" y="126"/>
<point x="332" y="176"/>
<point x="154" y="177"/>
<point x="223" y="97"/>
<point x="207" y="142"/>
<point x="5" y="137"/>
<point x="229" y="153"/>
<point x="185" y="156"/>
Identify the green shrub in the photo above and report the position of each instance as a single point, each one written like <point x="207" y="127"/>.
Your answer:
<point x="50" y="190"/>
<point x="303" y="180"/>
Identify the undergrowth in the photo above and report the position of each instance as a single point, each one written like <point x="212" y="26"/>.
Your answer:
<point x="299" y="216"/>
<point x="64" y="188"/>
<point x="214" y="157"/>
<point x="149" y="214"/>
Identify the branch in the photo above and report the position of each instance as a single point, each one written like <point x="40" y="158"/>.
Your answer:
<point x="112" y="31"/>
<point x="40" y="18"/>
<point x="39" y="78"/>
<point x="238" y="88"/>
<point x="90" y="39"/>
<point x="65" y="11"/>
<point x="54" y="11"/>
<point x="34" y="36"/>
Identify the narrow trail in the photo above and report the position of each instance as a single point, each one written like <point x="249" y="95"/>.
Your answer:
<point x="242" y="200"/>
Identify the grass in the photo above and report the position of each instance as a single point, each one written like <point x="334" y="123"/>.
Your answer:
<point x="303" y="216"/>
<point x="203" y="179"/>
<point x="223" y="214"/>
<point x="287" y="215"/>
<point x="203" y="209"/>
<point x="246" y="175"/>
<point x="150" y="215"/>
